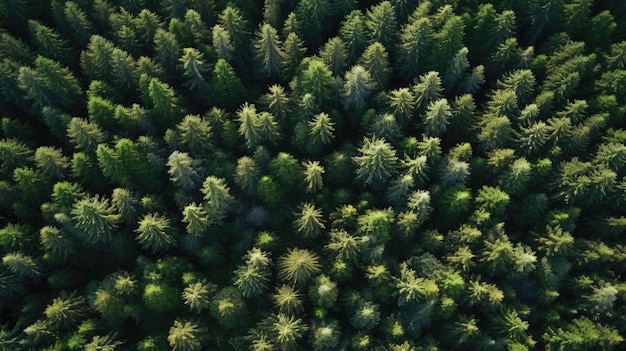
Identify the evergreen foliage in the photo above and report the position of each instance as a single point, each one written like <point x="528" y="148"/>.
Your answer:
<point x="394" y="175"/>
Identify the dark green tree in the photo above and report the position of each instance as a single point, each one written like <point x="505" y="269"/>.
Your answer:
<point x="353" y="32"/>
<point x="226" y="88"/>
<point x="168" y="51"/>
<point x="80" y="25"/>
<point x="222" y="43"/>
<point x="375" y="60"/>
<point x="294" y="51"/>
<point x="314" y="16"/>
<point x="48" y="42"/>
<point x="381" y="24"/>
<point x="269" y="54"/>
<point x="377" y="162"/>
<point x="335" y="55"/>
<point x="194" y="71"/>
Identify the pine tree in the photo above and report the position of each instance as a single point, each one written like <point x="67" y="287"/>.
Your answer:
<point x="227" y="90"/>
<point x="555" y="240"/>
<point x="446" y="43"/>
<point x="181" y="171"/>
<point x="126" y="204"/>
<point x="232" y="20"/>
<point x="269" y="54"/>
<point x="366" y="317"/>
<point x="222" y="43"/>
<point x="544" y="15"/>
<point x="582" y="334"/>
<point x="65" y="311"/>
<point x="381" y="23"/>
<point x="401" y="104"/>
<point x="313" y="176"/>
<point x="294" y="51"/>
<point x="357" y="87"/>
<point x="427" y="90"/>
<point x="81" y="27"/>
<point x="13" y="154"/>
<point x="49" y="83"/>
<point x="51" y="162"/>
<point x="286" y="170"/>
<point x="438" y="115"/>
<point x="184" y="336"/>
<point x="56" y="241"/>
<point x="196" y="295"/>
<point x="321" y="131"/>
<point x="316" y="78"/>
<point x="377" y="163"/>
<point x="196" y="134"/>
<point x="353" y="32"/>
<point x="335" y="55"/>
<point x="197" y="220"/>
<point x="375" y="60"/>
<point x="96" y="219"/>
<point x="194" y="70"/>
<point x="249" y="124"/>
<point x="247" y="174"/>
<point x="310" y="223"/>
<point x="48" y="42"/>
<point x="252" y="278"/>
<point x="153" y="233"/>
<point x="298" y="266"/>
<point x="217" y="196"/>
<point x="287" y="300"/>
<point x="314" y="16"/>
<point x="228" y="308"/>
<point x="326" y="336"/>
<point x="146" y="25"/>
<point x="344" y="246"/>
<point x="277" y="101"/>
<point x="168" y="51"/>
<point x="272" y="12"/>
<point x="166" y="104"/>
<point x="21" y="265"/>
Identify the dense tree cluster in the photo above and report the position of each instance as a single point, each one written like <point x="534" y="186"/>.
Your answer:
<point x="312" y="175"/>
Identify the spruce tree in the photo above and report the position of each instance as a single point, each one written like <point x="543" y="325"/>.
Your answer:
<point x="269" y="54"/>
<point x="377" y="162"/>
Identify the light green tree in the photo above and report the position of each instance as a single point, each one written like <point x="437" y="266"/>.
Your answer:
<point x="217" y="195"/>
<point x="298" y="266"/>
<point x="96" y="219"/>
<point x="184" y="336"/>
<point x="309" y="222"/>
<point x="313" y="176"/>
<point x="154" y="232"/>
<point x="196" y="219"/>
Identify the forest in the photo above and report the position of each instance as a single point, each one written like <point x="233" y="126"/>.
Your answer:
<point x="397" y="175"/>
